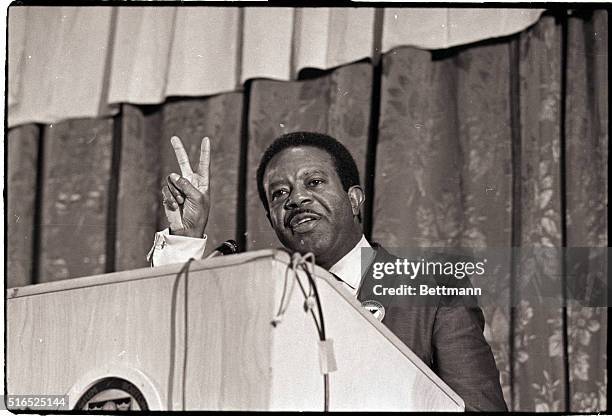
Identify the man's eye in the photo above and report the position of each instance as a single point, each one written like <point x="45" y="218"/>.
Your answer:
<point x="315" y="182"/>
<point x="278" y="194"/>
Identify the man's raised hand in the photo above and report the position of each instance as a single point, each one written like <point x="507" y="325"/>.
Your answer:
<point x="186" y="198"/>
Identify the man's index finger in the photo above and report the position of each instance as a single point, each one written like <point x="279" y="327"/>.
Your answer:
<point x="181" y="156"/>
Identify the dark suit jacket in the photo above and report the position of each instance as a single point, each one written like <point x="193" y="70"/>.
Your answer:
<point x="445" y="332"/>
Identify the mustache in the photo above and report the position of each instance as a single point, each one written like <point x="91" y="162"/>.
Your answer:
<point x="298" y="211"/>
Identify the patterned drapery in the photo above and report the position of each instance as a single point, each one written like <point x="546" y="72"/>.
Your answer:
<point x="500" y="143"/>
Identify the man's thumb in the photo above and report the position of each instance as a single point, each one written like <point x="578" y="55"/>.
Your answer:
<point x="184" y="185"/>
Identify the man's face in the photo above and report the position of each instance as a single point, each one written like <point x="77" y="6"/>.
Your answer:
<point x="309" y="209"/>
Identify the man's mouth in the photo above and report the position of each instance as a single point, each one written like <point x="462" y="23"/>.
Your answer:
<point x="303" y="222"/>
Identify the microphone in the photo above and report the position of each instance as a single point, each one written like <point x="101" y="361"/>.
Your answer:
<point x="228" y="247"/>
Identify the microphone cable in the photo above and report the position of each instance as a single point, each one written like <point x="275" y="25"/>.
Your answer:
<point x="322" y="335"/>
<point x="298" y="261"/>
<point x="173" y="333"/>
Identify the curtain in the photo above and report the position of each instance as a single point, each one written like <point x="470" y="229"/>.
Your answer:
<point x="86" y="60"/>
<point x="500" y="143"/>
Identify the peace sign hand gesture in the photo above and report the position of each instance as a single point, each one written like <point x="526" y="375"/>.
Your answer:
<point x="186" y="198"/>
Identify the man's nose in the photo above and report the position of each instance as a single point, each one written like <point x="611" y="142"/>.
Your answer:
<point x="298" y="198"/>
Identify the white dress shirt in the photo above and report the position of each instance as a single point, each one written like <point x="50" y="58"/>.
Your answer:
<point x="168" y="249"/>
<point x="348" y="268"/>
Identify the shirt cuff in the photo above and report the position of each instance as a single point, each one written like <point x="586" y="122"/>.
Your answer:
<point x="169" y="249"/>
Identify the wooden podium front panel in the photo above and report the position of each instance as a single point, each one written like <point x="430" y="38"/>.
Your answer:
<point x="228" y="364"/>
<point x="65" y="335"/>
<point x="61" y="339"/>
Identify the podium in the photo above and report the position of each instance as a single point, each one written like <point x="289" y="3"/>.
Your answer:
<point x="159" y="339"/>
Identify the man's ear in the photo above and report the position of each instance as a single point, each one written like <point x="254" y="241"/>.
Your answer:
<point x="356" y="196"/>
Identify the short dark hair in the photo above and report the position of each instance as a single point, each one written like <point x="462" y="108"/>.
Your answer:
<point x="343" y="161"/>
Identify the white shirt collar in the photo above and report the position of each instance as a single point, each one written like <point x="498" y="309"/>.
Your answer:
<point x="348" y="268"/>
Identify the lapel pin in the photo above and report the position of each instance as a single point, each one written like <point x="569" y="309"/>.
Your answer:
<point x="375" y="308"/>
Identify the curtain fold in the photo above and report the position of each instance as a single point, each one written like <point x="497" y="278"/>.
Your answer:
<point x="59" y="68"/>
<point x="445" y="28"/>
<point x="142" y="54"/>
<point x="586" y="149"/>
<point x="59" y="63"/>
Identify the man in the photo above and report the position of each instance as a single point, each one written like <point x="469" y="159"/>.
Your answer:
<point x="309" y="186"/>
